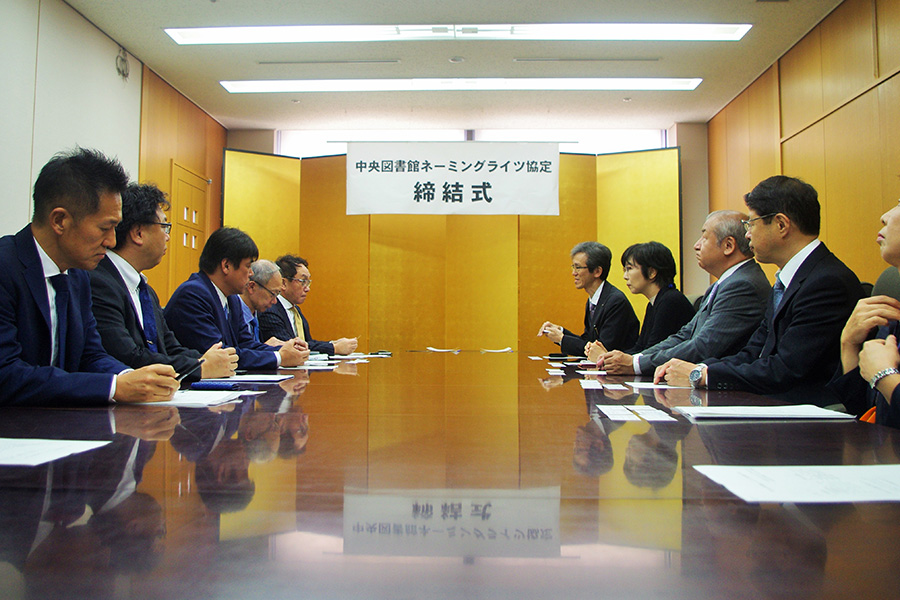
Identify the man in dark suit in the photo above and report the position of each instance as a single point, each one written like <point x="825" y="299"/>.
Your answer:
<point x="260" y="294"/>
<point x="285" y="319"/>
<point x="730" y="310"/>
<point x="206" y="308"/>
<point x="129" y="318"/>
<point x="50" y="351"/>
<point x="796" y="348"/>
<point x="608" y="316"/>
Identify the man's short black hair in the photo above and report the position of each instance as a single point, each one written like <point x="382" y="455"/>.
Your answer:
<point x="597" y="254"/>
<point x="228" y="243"/>
<point x="652" y="255"/>
<point x="140" y="201"/>
<point x="790" y="196"/>
<point x="290" y="264"/>
<point x="74" y="180"/>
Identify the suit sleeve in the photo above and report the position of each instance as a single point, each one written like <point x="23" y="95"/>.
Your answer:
<point x="735" y="314"/>
<point x="806" y="348"/>
<point x="619" y="326"/>
<point x="316" y="345"/>
<point x="118" y="328"/>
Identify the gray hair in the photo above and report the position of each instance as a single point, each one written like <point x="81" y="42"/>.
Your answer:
<point x="262" y="271"/>
<point x="597" y="254"/>
<point x="727" y="223"/>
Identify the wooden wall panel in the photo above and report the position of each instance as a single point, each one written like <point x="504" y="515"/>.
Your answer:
<point x="764" y="125"/>
<point x="546" y="291"/>
<point x="800" y="80"/>
<point x="853" y="180"/>
<point x="718" y="163"/>
<point x="889" y="112"/>
<point x="738" y="115"/>
<point x="173" y="129"/>
<point x="848" y="59"/>
<point x="337" y="248"/>
<point x="888" y="24"/>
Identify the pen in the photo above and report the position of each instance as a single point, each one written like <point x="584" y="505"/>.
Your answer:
<point x="191" y="370"/>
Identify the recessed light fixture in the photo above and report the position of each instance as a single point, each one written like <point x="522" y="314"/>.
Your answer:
<point x="291" y="34"/>
<point x="472" y="84"/>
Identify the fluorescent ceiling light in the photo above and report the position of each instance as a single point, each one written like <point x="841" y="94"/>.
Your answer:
<point x="695" y="32"/>
<point x="442" y="85"/>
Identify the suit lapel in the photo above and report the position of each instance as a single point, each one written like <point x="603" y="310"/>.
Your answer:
<point x="799" y="277"/>
<point x="110" y="268"/>
<point x="33" y="272"/>
<point x="224" y="325"/>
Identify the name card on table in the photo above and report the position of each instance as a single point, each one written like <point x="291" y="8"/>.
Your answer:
<point x="458" y="178"/>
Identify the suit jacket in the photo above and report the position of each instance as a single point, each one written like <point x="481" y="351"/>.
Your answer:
<point x="722" y="326"/>
<point x="26" y="377"/>
<point x="668" y="313"/>
<point x="121" y="331"/>
<point x="198" y="320"/>
<point x="276" y="321"/>
<point x="613" y="322"/>
<point x="796" y="349"/>
<point x="858" y="397"/>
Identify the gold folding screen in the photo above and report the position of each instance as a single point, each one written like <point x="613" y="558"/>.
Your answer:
<point x="404" y="282"/>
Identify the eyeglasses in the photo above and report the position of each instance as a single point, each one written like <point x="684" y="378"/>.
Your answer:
<point x="748" y="223"/>
<point x="166" y="227"/>
<point x="578" y="267"/>
<point x="274" y="294"/>
<point x="304" y="281"/>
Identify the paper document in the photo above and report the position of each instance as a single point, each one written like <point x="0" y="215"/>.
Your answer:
<point x="618" y="387"/>
<point x="591" y="384"/>
<point x="649" y="413"/>
<point x="200" y="399"/>
<point x="453" y="350"/>
<point x="649" y="385"/>
<point x="559" y="372"/>
<point x="793" y="411"/>
<point x="31" y="452"/>
<point x="591" y="372"/>
<point x="842" y="483"/>
<point x="617" y="413"/>
<point x="251" y="378"/>
<point x="489" y="351"/>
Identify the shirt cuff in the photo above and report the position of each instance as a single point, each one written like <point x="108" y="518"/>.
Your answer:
<point x="278" y="358"/>
<point x="636" y="364"/>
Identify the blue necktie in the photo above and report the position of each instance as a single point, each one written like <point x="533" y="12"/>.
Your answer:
<point x="61" y="286"/>
<point x="777" y="291"/>
<point x="709" y="298"/>
<point x="254" y="328"/>
<point x="150" y="333"/>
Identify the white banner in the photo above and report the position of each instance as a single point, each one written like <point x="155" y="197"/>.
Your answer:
<point x="453" y="178"/>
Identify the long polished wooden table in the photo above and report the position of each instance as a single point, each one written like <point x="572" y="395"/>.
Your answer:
<point x="428" y="475"/>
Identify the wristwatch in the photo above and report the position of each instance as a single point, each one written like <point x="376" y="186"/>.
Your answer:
<point x="696" y="375"/>
<point x="881" y="375"/>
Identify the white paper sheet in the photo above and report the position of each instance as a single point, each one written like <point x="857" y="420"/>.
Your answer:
<point x="617" y="413"/>
<point x="591" y="372"/>
<point x="591" y="384"/>
<point x="792" y="411"/>
<point x="614" y="387"/>
<point x="29" y="452"/>
<point x="200" y="398"/>
<point x="843" y="483"/>
<point x="497" y="351"/>
<point x="555" y="372"/>
<point x="649" y="413"/>
<point x="450" y="350"/>
<point x="536" y="358"/>
<point x="649" y="385"/>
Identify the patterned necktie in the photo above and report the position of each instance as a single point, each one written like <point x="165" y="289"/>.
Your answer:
<point x="712" y="294"/>
<point x="61" y="286"/>
<point x="150" y="333"/>
<point x="298" y="322"/>
<point x="777" y="291"/>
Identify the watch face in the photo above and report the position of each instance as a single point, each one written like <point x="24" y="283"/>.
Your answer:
<point x="695" y="375"/>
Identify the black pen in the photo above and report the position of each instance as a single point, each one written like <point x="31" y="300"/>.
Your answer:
<point x="191" y="370"/>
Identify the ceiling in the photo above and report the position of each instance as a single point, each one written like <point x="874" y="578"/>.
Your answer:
<point x="726" y="67"/>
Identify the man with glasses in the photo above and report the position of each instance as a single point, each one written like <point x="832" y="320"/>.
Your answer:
<point x="129" y="318"/>
<point x="261" y="293"/>
<point x="284" y="318"/>
<point x="796" y="349"/>
<point x="206" y="308"/>
<point x="608" y="315"/>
